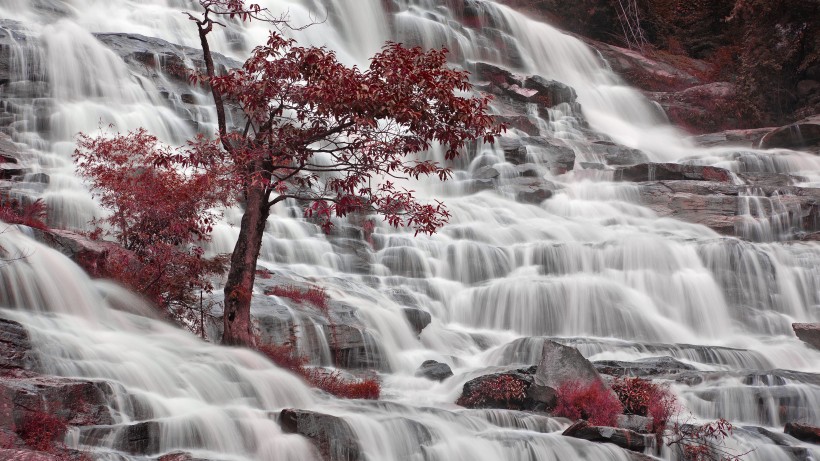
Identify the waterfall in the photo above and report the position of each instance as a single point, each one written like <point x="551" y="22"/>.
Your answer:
<point x="593" y="266"/>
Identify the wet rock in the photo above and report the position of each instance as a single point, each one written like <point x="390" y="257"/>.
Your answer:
<point x="435" y="371"/>
<point x="805" y="133"/>
<point x="623" y="438"/>
<point x="617" y="155"/>
<point x="19" y="454"/>
<point x="560" y="364"/>
<point x="809" y="333"/>
<point x="141" y="438"/>
<point x="331" y="435"/>
<point x="509" y="390"/>
<point x="522" y="123"/>
<point x="701" y="108"/>
<point x="91" y="255"/>
<point x="635" y="423"/>
<point x="418" y="318"/>
<point x="15" y="346"/>
<point x="671" y="172"/>
<point x="486" y="172"/>
<point x="803" y="432"/>
<point x="741" y="138"/>
<point x="530" y="190"/>
<point x="549" y="92"/>
<point x="647" y="367"/>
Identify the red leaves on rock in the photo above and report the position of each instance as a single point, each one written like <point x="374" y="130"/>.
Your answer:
<point x="32" y="214"/>
<point x="315" y="296"/>
<point x="590" y="401"/>
<point x="331" y="382"/>
<point x="41" y="431"/>
<point x="503" y="390"/>
<point x="643" y="397"/>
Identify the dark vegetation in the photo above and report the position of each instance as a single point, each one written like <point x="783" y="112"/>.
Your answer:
<point x="768" y="49"/>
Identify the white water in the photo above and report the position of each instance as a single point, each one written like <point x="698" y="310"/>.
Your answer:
<point x="589" y="263"/>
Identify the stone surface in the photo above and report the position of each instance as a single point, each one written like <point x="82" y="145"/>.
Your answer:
<point x="809" y="333"/>
<point x="435" y="371"/>
<point x="672" y="172"/>
<point x="417" y="318"/>
<point x="331" y="435"/>
<point x="635" y="423"/>
<point x="803" y="432"/>
<point x="623" y="438"/>
<point x="805" y="133"/>
<point x="560" y="364"/>
<point x="492" y="391"/>
<point x="647" y="367"/>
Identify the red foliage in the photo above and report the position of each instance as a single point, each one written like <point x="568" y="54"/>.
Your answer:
<point x="331" y="382"/>
<point x="158" y="212"/>
<point x="32" y="214"/>
<point x="643" y="397"/>
<point x="705" y="442"/>
<point x="591" y="401"/>
<point x="314" y="130"/>
<point x="315" y="296"/>
<point x="41" y="430"/>
<point x="502" y="390"/>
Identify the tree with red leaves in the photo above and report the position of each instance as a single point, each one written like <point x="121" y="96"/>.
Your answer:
<point x="322" y="133"/>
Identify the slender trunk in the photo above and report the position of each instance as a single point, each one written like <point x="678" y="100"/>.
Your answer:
<point x="241" y="275"/>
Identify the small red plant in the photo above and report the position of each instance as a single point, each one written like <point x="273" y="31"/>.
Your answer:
<point x="705" y="442"/>
<point x="315" y="296"/>
<point x="32" y="214"/>
<point x="41" y="431"/>
<point x="501" y="390"/>
<point x="331" y="382"/>
<point x="590" y="401"/>
<point x="643" y="397"/>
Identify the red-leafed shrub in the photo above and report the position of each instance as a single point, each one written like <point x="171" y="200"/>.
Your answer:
<point x="703" y="442"/>
<point x="285" y="356"/>
<point x="32" y="214"/>
<point x="315" y="296"/>
<point x="590" y="401"/>
<point x="331" y="382"/>
<point x="41" y="431"/>
<point x="502" y="390"/>
<point x="643" y="397"/>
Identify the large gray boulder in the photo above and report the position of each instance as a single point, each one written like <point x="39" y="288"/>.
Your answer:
<point x="333" y="437"/>
<point x="560" y="364"/>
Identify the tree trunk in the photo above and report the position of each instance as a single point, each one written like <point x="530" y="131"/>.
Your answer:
<point x="241" y="275"/>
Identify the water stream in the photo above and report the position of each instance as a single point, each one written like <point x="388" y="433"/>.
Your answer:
<point x="590" y="266"/>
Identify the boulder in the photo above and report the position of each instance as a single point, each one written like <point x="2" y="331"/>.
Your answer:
<point x="805" y="133"/>
<point x="333" y="437"/>
<point x="19" y="454"/>
<point x="803" y="432"/>
<point x="646" y="367"/>
<point x="509" y="390"/>
<point x="635" y="423"/>
<point x="560" y="364"/>
<point x="417" y="318"/>
<point x="623" y="438"/>
<point x="435" y="371"/>
<point x="809" y="333"/>
<point x="15" y="347"/>
<point x="672" y="172"/>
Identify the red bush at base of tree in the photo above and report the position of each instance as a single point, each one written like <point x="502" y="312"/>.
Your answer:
<point x="590" y="401"/>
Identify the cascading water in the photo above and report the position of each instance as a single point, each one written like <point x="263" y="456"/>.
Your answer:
<point x="591" y="266"/>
